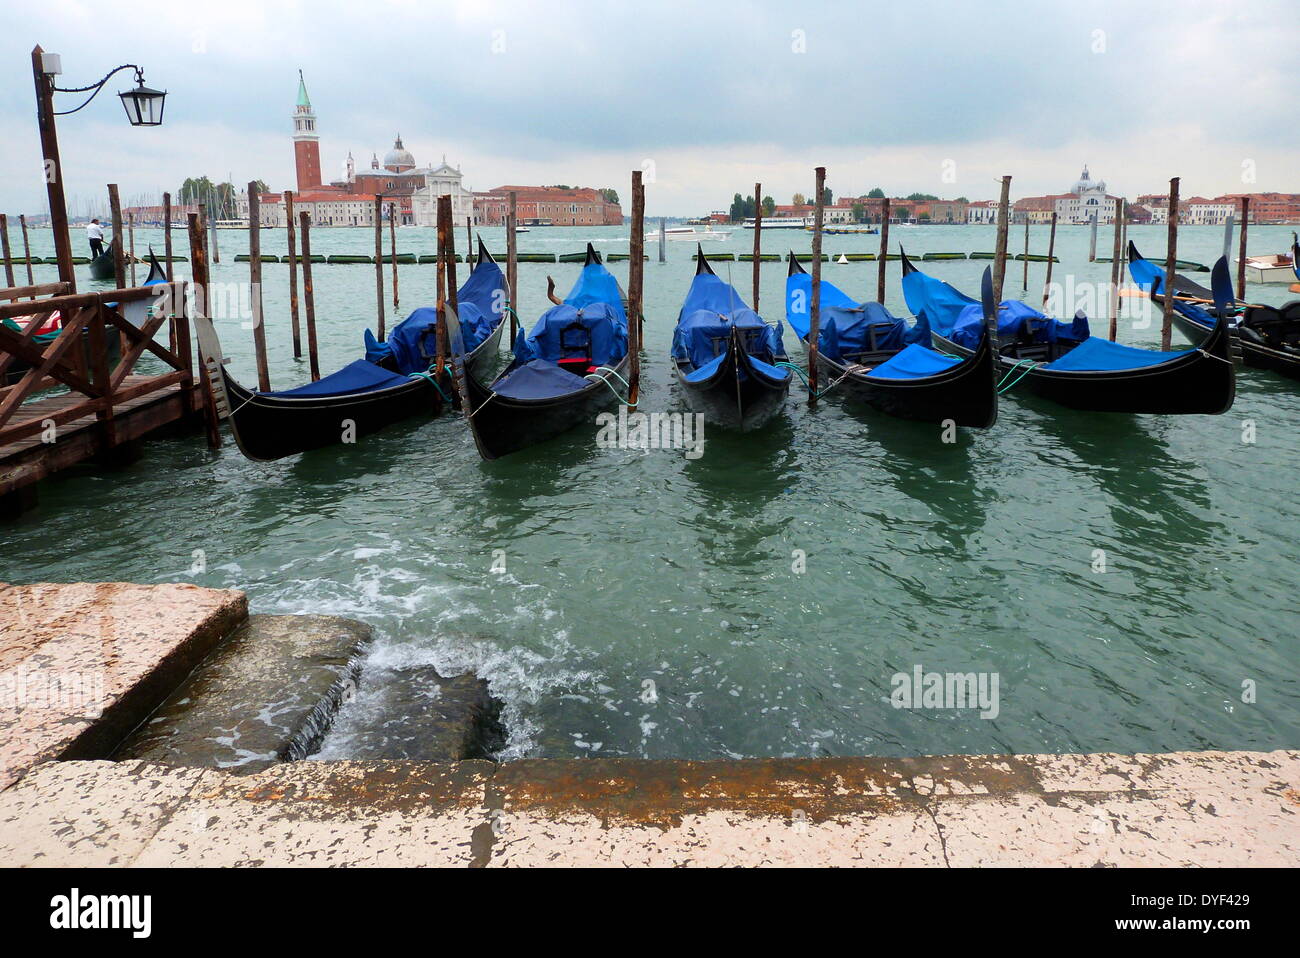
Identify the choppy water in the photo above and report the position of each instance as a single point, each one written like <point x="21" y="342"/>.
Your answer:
<point x="630" y="571"/>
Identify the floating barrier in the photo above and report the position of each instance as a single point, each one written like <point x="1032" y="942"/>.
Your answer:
<point x="934" y="256"/>
<point x="401" y="258"/>
<point x="720" y="257"/>
<point x="1038" y="258"/>
<point x="762" y="257"/>
<point x="982" y="256"/>
<point x="859" y="257"/>
<point x="807" y="257"/>
<point x="343" y="258"/>
<point x="573" y="257"/>
<point x="621" y="257"/>
<point x="265" y="258"/>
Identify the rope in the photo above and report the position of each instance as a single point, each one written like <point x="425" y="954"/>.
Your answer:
<point x="1029" y="365"/>
<point x="807" y="385"/>
<point x="428" y="375"/>
<point x="594" y="377"/>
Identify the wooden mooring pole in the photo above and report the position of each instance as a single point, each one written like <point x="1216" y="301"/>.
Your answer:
<point x="308" y="295"/>
<point x="119" y="261"/>
<point x="758" y="245"/>
<point x="291" y="242"/>
<point x="199" y="277"/>
<point x="884" y="252"/>
<point x="1171" y="261"/>
<point x="255" y="287"/>
<point x="392" y="243"/>
<point x="27" y="251"/>
<point x="1116" y="269"/>
<point x="635" y="289"/>
<point x="1092" y="239"/>
<point x="815" y="319"/>
<point x="1051" y="252"/>
<point x="469" y="244"/>
<point x="379" y="266"/>
<point x="1000" y="257"/>
<point x="4" y="246"/>
<point x="1241" y="250"/>
<point x="167" y="233"/>
<point x="130" y="233"/>
<point x="1024" y="283"/>
<point x="512" y="264"/>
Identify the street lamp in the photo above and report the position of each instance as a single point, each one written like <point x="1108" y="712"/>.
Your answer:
<point x="144" y="107"/>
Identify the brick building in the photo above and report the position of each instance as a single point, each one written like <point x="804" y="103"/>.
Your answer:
<point x="547" y="206"/>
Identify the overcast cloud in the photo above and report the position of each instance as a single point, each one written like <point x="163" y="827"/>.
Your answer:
<point x="715" y="95"/>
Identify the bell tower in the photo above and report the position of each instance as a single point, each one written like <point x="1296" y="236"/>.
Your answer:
<point x="306" y="142"/>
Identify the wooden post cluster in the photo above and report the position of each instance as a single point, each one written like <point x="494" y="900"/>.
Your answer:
<point x="1116" y="269"/>
<point x="1092" y="239"/>
<point x="308" y="294"/>
<point x="379" y="266"/>
<point x="1000" y="258"/>
<point x="255" y="279"/>
<point x="1171" y="260"/>
<point x="290" y="241"/>
<point x="815" y="319"/>
<point x="884" y="252"/>
<point x="635" y="288"/>
<point x="512" y="264"/>
<point x="758" y="245"/>
<point x="1051" y="252"/>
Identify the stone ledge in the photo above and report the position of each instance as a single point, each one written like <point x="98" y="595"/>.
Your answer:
<point x="1186" y="808"/>
<point x="82" y="664"/>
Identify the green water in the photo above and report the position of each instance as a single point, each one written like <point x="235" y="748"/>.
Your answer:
<point x="624" y="568"/>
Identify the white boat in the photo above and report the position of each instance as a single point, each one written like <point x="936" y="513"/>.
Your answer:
<point x="521" y="229"/>
<point x="1275" y="268"/>
<point x="781" y="222"/>
<point x="691" y="234"/>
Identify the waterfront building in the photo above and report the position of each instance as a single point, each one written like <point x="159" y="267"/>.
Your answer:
<point x="982" y="212"/>
<point x="547" y="206"/>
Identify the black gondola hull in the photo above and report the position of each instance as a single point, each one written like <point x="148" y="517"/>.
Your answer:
<point x="103" y="266"/>
<point x="1255" y="355"/>
<point x="272" y="427"/>
<point x="502" y="424"/>
<point x="730" y="399"/>
<point x="963" y="394"/>
<point x="1202" y="382"/>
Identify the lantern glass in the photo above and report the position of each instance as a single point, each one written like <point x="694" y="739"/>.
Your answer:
<point x="144" y="107"/>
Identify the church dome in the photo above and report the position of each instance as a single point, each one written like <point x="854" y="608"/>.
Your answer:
<point x="1086" y="184"/>
<point x="399" y="158"/>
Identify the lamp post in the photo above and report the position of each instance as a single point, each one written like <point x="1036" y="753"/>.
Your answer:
<point x="144" y="107"/>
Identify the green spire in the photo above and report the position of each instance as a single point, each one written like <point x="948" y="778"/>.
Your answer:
<point x="303" y="101"/>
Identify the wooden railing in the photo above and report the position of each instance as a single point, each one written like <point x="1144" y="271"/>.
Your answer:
<point x="79" y="356"/>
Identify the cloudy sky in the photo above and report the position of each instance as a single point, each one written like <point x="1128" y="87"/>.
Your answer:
<point x="709" y="96"/>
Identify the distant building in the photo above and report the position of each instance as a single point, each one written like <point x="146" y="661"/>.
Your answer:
<point x="982" y="212"/>
<point x="548" y="206"/>
<point x="306" y="141"/>
<point x="1199" y="211"/>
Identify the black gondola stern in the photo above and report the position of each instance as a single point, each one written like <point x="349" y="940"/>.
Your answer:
<point x="702" y="266"/>
<point x="795" y="267"/>
<point x="908" y="267"/>
<point x="592" y="256"/>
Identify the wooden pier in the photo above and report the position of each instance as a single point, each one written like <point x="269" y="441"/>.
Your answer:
<point x="78" y="395"/>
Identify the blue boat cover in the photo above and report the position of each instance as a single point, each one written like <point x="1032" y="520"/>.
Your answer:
<point x="711" y="310"/>
<point x="412" y="343"/>
<point x="538" y="379"/>
<point x="1095" y="354"/>
<point x="358" y="376"/>
<point x="914" y="362"/>
<point x="1145" y="273"/>
<point x="956" y="316"/>
<point x="846" y="325"/>
<point x="596" y="308"/>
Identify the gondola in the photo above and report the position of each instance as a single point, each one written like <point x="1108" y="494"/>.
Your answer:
<point x="393" y="383"/>
<point x="1269" y="336"/>
<point x="563" y="373"/>
<point x="1063" y="362"/>
<point x="102" y="266"/>
<point x="879" y="360"/>
<point x="725" y="355"/>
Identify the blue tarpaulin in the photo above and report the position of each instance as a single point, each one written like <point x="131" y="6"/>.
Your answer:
<point x="590" y="323"/>
<point x="711" y="310"/>
<point x="1101" y="355"/>
<point x="538" y="379"/>
<point x="412" y="343"/>
<point x="956" y="316"/>
<point x="914" y="362"/>
<point x="359" y="376"/>
<point x="847" y="326"/>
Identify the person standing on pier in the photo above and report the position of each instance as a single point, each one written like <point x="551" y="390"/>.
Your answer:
<point x="95" y="233"/>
